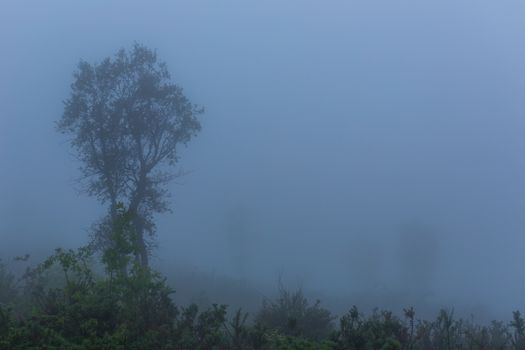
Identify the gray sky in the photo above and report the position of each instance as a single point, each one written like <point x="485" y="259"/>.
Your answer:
<point x="349" y="145"/>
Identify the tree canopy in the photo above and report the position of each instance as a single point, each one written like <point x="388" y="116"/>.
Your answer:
<point x="126" y="119"/>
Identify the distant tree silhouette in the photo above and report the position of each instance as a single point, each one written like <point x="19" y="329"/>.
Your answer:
<point x="126" y="118"/>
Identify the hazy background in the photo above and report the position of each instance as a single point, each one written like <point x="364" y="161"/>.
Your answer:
<point x="369" y="151"/>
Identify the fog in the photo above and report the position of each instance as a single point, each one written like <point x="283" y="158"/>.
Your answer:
<point x="368" y="151"/>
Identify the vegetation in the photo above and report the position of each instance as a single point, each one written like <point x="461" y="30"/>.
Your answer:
<point x="292" y="315"/>
<point x="62" y="303"/>
<point x="126" y="119"/>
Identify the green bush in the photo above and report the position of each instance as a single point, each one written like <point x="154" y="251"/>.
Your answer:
<point x="286" y="342"/>
<point x="379" y="331"/>
<point x="63" y="304"/>
<point x="8" y="290"/>
<point x="292" y="314"/>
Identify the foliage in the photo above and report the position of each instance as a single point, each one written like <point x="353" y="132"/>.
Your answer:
<point x="291" y="314"/>
<point x="83" y="310"/>
<point x="8" y="290"/>
<point x="518" y="331"/>
<point x="382" y="330"/>
<point x="64" y="304"/>
<point x="126" y="118"/>
<point x="286" y="342"/>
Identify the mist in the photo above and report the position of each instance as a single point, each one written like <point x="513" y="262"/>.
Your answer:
<point x="368" y="152"/>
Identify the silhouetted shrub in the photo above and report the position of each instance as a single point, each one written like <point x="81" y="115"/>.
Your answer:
<point x="63" y="304"/>
<point x="291" y="314"/>
<point x="286" y="342"/>
<point x="8" y="290"/>
<point x="381" y="330"/>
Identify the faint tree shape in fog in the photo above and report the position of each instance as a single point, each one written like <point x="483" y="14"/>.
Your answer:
<point x="418" y="258"/>
<point x="126" y="118"/>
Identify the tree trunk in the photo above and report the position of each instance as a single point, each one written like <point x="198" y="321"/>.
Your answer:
<point x="141" y="250"/>
<point x="138" y="221"/>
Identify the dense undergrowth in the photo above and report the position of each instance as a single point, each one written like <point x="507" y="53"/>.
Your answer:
<point x="63" y="303"/>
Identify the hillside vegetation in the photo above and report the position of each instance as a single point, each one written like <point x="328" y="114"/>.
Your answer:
<point x="66" y="303"/>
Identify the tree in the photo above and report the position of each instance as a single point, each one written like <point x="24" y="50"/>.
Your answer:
<point x="126" y="118"/>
